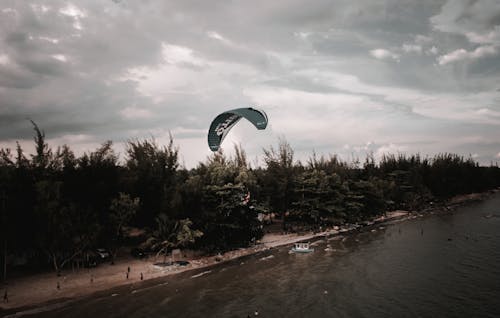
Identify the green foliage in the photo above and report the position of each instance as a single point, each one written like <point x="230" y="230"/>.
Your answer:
<point x="43" y="153"/>
<point x="217" y="190"/>
<point x="318" y="198"/>
<point x="365" y="199"/>
<point x="121" y="211"/>
<point x="64" y="230"/>
<point x="227" y="220"/>
<point x="172" y="234"/>
<point x="57" y="204"/>
<point x="186" y="235"/>
<point x="151" y="176"/>
<point x="279" y="178"/>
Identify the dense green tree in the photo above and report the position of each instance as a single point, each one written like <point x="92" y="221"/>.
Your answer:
<point x="318" y="198"/>
<point x="229" y="220"/>
<point x="64" y="231"/>
<point x="363" y="199"/>
<point x="122" y="210"/>
<point x="279" y="178"/>
<point x="43" y="154"/>
<point x="152" y="177"/>
<point x="222" y="206"/>
<point x="56" y="206"/>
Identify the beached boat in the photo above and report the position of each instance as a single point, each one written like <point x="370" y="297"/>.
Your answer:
<point x="301" y="248"/>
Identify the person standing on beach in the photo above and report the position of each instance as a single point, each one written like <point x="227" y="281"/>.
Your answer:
<point x="127" y="274"/>
<point x="6" y="296"/>
<point x="142" y="277"/>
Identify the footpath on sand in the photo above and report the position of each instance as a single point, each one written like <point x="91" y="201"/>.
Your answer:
<point x="29" y="292"/>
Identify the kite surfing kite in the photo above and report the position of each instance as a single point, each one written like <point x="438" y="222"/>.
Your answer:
<point x="223" y="123"/>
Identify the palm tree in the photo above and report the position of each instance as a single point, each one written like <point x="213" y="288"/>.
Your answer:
<point x="170" y="234"/>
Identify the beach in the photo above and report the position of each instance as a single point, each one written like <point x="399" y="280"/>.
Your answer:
<point x="33" y="291"/>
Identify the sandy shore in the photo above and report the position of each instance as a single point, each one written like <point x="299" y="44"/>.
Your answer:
<point x="32" y="291"/>
<point x="43" y="288"/>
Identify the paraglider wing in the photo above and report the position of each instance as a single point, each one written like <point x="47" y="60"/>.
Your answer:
<point x="223" y="123"/>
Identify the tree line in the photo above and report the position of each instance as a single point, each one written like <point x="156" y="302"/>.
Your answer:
<point x="56" y="206"/>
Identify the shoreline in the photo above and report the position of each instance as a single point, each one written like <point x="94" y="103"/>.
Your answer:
<point x="38" y="293"/>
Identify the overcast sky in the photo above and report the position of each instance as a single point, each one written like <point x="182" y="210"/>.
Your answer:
<point x="337" y="77"/>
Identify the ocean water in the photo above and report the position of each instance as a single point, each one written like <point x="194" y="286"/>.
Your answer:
<point x="442" y="265"/>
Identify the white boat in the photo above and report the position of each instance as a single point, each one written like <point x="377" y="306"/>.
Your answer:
<point x="301" y="248"/>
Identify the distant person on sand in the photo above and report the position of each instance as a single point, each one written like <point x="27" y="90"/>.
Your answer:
<point x="5" y="297"/>
<point x="127" y="274"/>
<point x="142" y="277"/>
<point x="58" y="286"/>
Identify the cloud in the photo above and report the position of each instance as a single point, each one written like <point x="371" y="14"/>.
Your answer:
<point x="49" y="39"/>
<point x="60" y="57"/>
<point x="432" y="51"/>
<point x="135" y="113"/>
<point x="437" y="105"/>
<point x="422" y="39"/>
<point x="216" y="36"/>
<point x="120" y="70"/>
<point x="44" y="9"/>
<point x="478" y="21"/>
<point x="383" y="54"/>
<point x="389" y="149"/>
<point x="180" y="55"/>
<point x="9" y="10"/>
<point x="420" y="44"/>
<point x="4" y="59"/>
<point x="412" y="48"/>
<point x="491" y="37"/>
<point x="69" y="10"/>
<point x="462" y="54"/>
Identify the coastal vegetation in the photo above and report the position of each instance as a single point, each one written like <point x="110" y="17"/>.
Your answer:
<point x="56" y="208"/>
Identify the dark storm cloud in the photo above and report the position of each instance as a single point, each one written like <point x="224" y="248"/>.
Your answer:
<point x="398" y="73"/>
<point x="12" y="77"/>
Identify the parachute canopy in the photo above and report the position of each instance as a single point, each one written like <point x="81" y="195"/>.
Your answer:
<point x="223" y="123"/>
